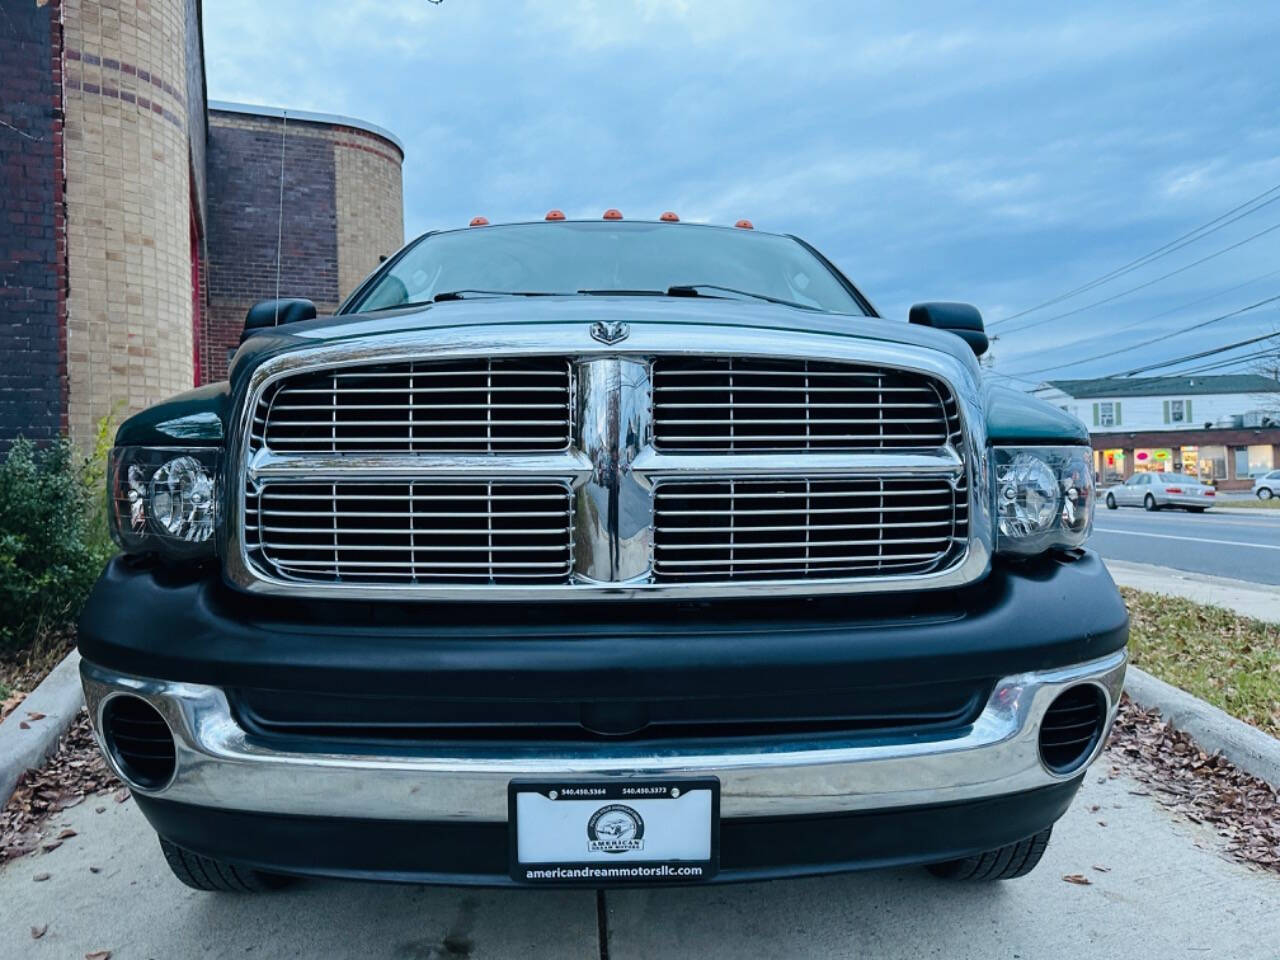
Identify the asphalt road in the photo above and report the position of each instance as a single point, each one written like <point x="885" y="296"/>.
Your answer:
<point x="1166" y="890"/>
<point x="1235" y="545"/>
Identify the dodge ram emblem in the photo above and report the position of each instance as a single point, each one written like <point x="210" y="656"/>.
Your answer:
<point x="610" y="331"/>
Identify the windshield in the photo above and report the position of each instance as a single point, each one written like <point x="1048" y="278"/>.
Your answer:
<point x="1179" y="478"/>
<point x="606" y="257"/>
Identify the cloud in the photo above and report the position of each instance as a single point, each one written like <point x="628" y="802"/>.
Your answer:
<point x="998" y="153"/>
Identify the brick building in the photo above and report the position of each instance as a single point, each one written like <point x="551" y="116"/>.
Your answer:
<point x="138" y="221"/>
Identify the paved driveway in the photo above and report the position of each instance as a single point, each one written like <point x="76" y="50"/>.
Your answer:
<point x="1168" y="893"/>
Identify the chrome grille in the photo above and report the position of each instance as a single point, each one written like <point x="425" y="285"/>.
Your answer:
<point x="456" y="406"/>
<point x="806" y="528"/>
<point x="732" y="403"/>
<point x="643" y="470"/>
<point x="411" y="533"/>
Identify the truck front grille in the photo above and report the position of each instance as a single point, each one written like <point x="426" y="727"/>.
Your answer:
<point x="463" y="406"/>
<point x="584" y="472"/>
<point x="783" y="529"/>
<point x="731" y="403"/>
<point x="411" y="533"/>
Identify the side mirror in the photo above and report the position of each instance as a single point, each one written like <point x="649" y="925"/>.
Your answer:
<point x="267" y="314"/>
<point x="960" y="318"/>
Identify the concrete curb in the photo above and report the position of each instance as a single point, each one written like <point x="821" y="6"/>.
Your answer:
<point x="1261" y="601"/>
<point x="59" y="697"/>
<point x="1247" y="747"/>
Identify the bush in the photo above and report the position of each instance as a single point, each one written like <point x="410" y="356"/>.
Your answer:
<point x="53" y="536"/>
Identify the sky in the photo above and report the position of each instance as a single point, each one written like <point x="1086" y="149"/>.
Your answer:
<point x="998" y="154"/>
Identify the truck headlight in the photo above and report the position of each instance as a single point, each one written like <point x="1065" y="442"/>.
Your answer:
<point x="164" y="500"/>
<point x="1043" y="498"/>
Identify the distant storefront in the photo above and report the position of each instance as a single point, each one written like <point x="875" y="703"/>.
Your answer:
<point x="1229" y="459"/>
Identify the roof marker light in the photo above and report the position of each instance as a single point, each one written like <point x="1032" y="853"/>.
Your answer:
<point x="479" y="222"/>
<point x="745" y="225"/>
<point x="555" y="214"/>
<point x="669" y="217"/>
<point x="613" y="214"/>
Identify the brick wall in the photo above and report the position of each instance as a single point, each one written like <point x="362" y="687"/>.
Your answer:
<point x="32" y="222"/>
<point x="370" y="204"/>
<point x="342" y="209"/>
<point x="129" y="320"/>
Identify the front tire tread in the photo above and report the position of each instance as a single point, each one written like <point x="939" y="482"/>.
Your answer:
<point x="1006" y="863"/>
<point x="216" y="876"/>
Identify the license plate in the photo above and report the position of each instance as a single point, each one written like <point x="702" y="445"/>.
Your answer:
<point x="606" y="831"/>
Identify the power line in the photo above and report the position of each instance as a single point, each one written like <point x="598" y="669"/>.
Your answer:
<point x="1170" y="247"/>
<point x="1197" y="356"/>
<point x="1218" y="364"/>
<point x="1163" y="336"/>
<point x="1143" y="286"/>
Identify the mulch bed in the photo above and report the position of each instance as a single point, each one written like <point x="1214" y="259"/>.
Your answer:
<point x="75" y="773"/>
<point x="1205" y="788"/>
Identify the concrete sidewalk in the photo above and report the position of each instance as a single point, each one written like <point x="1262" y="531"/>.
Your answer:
<point x="1258" y="600"/>
<point x="1159" y="887"/>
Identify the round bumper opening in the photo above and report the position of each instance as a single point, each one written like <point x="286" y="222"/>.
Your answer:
<point x="139" y="741"/>
<point x="1071" y="728"/>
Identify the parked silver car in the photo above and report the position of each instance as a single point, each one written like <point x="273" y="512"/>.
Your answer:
<point x="1151" y="491"/>
<point x="1267" y="486"/>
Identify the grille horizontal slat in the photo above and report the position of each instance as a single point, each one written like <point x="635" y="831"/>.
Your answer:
<point x="418" y="532"/>
<point x="742" y="404"/>
<point x="761" y="529"/>
<point x="458" y="406"/>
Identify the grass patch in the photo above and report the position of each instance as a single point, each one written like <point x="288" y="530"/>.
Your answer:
<point x="1231" y="661"/>
<point x="1254" y="504"/>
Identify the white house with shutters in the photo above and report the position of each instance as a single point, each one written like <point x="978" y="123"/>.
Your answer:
<point x="1224" y="428"/>
<point x="1124" y="404"/>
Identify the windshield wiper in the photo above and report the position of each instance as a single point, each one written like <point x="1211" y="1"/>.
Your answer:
<point x="622" y="292"/>
<point x="469" y="292"/>
<point x="694" y="290"/>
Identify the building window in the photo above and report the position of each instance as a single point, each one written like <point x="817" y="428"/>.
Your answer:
<point x="1112" y="466"/>
<point x="1253" y="460"/>
<point x="1157" y="459"/>
<point x="1190" y="462"/>
<point x="1213" y="463"/>
<point x="1177" y="413"/>
<point x="1106" y="414"/>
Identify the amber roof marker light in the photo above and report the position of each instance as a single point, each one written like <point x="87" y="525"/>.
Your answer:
<point x="745" y="225"/>
<point x="555" y="215"/>
<point x="669" y="217"/>
<point x="613" y="214"/>
<point x="479" y="222"/>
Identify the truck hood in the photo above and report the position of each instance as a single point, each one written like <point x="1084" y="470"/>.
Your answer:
<point x="636" y="311"/>
<point x="201" y="417"/>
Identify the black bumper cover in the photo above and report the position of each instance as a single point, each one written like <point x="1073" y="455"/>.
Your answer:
<point x="476" y="853"/>
<point x="187" y="626"/>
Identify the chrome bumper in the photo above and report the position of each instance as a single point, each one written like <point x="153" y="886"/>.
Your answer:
<point x="218" y="765"/>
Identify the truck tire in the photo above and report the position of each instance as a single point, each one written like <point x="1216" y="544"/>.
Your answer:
<point x="1006" y="863"/>
<point x="216" y="876"/>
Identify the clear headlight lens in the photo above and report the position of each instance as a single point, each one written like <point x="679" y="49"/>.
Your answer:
<point x="164" y="500"/>
<point x="1043" y="498"/>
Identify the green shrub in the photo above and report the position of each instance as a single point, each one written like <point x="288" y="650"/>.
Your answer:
<point x="53" y="536"/>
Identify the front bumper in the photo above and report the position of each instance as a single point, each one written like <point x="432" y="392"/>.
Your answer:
<point x="1185" y="500"/>
<point x="220" y="765"/>
<point x="832" y="795"/>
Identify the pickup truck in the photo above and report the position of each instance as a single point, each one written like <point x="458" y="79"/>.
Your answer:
<point x="600" y="553"/>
